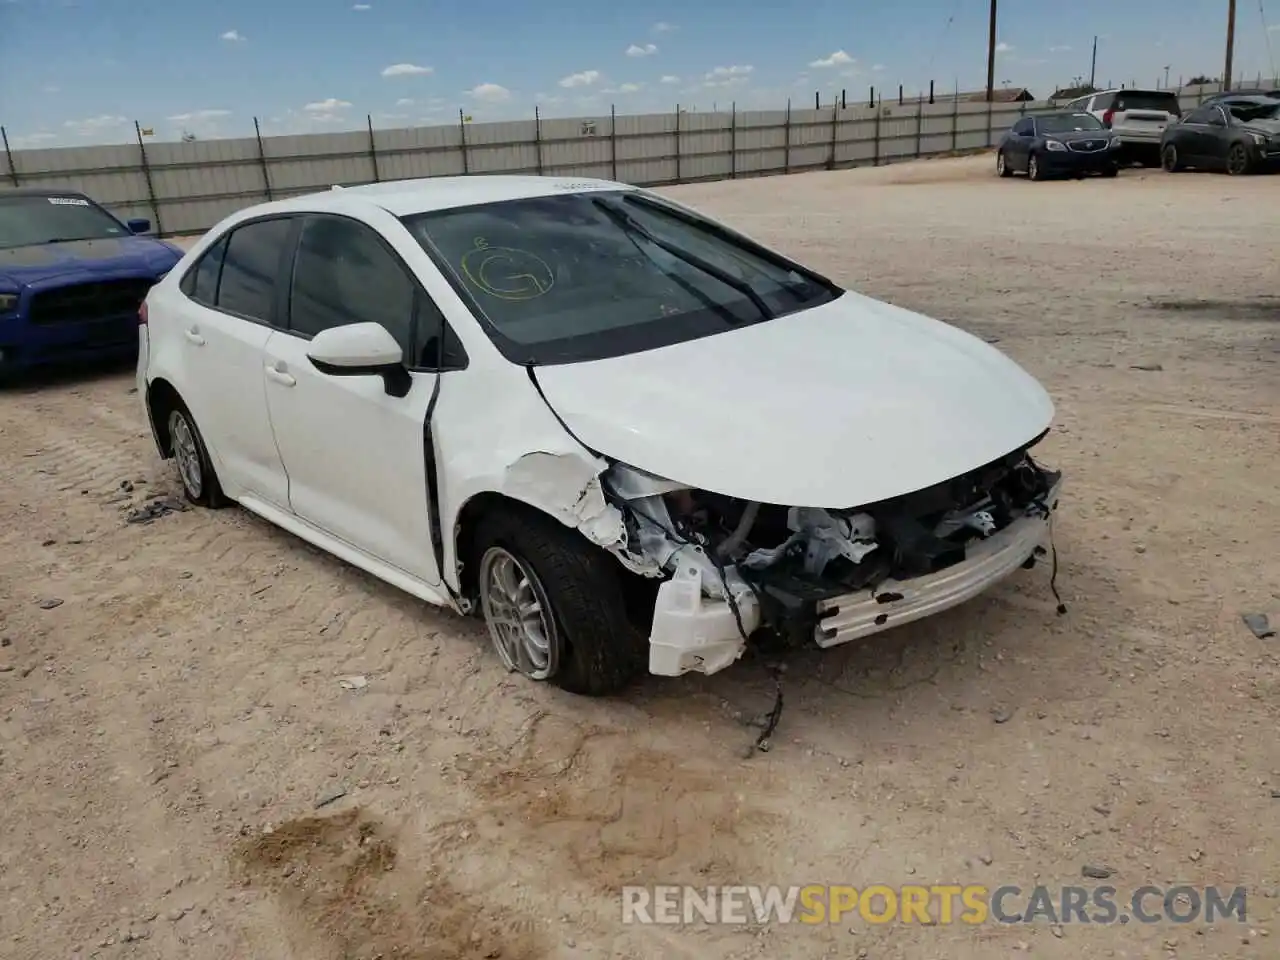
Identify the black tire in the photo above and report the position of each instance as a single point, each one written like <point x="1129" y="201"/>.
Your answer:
<point x="1170" y="160"/>
<point x="1002" y="165"/>
<point x="600" y="650"/>
<point x="1111" y="171"/>
<point x="207" y="491"/>
<point x="1034" y="170"/>
<point x="1239" y="163"/>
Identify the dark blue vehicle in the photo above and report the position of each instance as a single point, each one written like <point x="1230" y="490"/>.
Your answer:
<point x="72" y="277"/>
<point x="1058" y="144"/>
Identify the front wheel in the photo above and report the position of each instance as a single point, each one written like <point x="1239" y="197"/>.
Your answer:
<point x="1238" y="160"/>
<point x="1002" y="165"/>
<point x="199" y="481"/>
<point x="1169" y="158"/>
<point x="554" y="604"/>
<point x="1111" y="171"/>
<point x="1034" y="170"/>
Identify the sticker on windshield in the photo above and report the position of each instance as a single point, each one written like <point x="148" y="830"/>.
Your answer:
<point x="68" y="201"/>
<point x="506" y="273"/>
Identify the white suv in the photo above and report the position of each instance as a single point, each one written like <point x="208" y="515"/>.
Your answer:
<point x="1138" y="118"/>
<point x="621" y="431"/>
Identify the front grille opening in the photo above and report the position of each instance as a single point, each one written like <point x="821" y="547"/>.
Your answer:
<point x="87" y="302"/>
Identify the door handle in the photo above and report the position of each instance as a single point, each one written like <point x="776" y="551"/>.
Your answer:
<point x="280" y="376"/>
<point x="194" y="336"/>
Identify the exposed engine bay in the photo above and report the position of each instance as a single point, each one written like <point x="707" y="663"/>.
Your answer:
<point x="784" y="562"/>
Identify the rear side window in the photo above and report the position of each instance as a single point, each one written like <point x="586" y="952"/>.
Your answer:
<point x="201" y="282"/>
<point x="1148" y="100"/>
<point x="251" y="266"/>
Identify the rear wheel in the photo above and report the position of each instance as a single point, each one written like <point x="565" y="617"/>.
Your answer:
<point x="1238" y="161"/>
<point x="554" y="605"/>
<point x="199" y="481"/>
<point x="1002" y="165"/>
<point x="1169" y="158"/>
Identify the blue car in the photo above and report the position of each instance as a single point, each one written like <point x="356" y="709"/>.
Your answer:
<point x="72" y="277"/>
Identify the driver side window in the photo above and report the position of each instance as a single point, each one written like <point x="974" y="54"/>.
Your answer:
<point x="1218" y="117"/>
<point x="1025" y="127"/>
<point x="342" y="274"/>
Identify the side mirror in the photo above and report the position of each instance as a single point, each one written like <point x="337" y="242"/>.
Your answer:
<point x="361" y="350"/>
<point x="139" y="225"/>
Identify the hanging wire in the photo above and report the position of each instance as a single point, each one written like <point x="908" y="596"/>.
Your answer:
<point x="946" y="27"/>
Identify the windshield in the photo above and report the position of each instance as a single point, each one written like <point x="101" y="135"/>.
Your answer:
<point x="1248" y="112"/>
<point x="584" y="276"/>
<point x="28" y="220"/>
<point x="1068" y="122"/>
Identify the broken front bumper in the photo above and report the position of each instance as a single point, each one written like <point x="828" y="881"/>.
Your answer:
<point x="696" y="633"/>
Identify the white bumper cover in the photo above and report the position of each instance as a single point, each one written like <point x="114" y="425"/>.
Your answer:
<point x="693" y="632"/>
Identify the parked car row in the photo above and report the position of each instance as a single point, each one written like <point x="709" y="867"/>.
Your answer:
<point x="1105" y="131"/>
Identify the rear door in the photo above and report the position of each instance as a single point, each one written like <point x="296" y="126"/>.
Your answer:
<point x="232" y="301"/>
<point x="1142" y="115"/>
<point x="1192" y="136"/>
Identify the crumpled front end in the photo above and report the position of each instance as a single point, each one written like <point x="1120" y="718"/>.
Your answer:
<point x="734" y="570"/>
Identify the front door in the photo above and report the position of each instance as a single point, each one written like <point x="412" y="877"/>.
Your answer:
<point x="354" y="455"/>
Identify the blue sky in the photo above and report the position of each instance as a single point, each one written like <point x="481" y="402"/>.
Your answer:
<point x="80" y="71"/>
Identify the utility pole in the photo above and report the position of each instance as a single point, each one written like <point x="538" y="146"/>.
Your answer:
<point x="1231" y="43"/>
<point x="991" y="52"/>
<point x="1093" y="63"/>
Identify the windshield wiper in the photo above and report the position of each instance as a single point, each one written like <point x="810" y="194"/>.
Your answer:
<point x="631" y="225"/>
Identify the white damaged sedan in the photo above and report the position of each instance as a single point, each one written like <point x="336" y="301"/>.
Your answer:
<point x="625" y="434"/>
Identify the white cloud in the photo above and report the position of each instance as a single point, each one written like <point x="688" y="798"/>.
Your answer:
<point x="490" y="93"/>
<point x="668" y="79"/>
<point x="51" y="88"/>
<point x="1274" y="28"/>
<point x="332" y="105"/>
<point x="624" y="88"/>
<point x="636" y="50"/>
<point x="584" y="79"/>
<point x="663" y="27"/>
<point x="1003" y="47"/>
<point x="1061" y="48"/>
<point x="196" y="116"/>
<point x="837" y="59"/>
<point x="362" y="6"/>
<point x="234" y="36"/>
<point x="406" y="70"/>
<point x="404" y="102"/>
<point x="728" y="76"/>
<point x="96" y="125"/>
<point x="877" y="67"/>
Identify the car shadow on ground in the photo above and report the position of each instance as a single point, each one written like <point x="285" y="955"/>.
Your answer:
<point x="65" y="375"/>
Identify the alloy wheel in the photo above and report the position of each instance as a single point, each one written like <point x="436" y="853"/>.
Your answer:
<point x="187" y="454"/>
<point x="516" y="609"/>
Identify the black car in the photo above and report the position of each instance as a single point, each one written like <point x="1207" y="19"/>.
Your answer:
<point x="1238" y="134"/>
<point x="1217" y="97"/>
<point x="1066" y="144"/>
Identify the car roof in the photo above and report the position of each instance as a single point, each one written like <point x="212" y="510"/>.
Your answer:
<point x="39" y="192"/>
<point x="407" y="197"/>
<point x="1258" y="98"/>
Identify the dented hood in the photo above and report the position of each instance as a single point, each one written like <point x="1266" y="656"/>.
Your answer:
<point x="845" y="404"/>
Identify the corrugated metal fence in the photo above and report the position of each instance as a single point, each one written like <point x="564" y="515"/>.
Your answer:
<point x="187" y="187"/>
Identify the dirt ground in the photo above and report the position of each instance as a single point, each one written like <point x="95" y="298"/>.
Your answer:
<point x="169" y="725"/>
